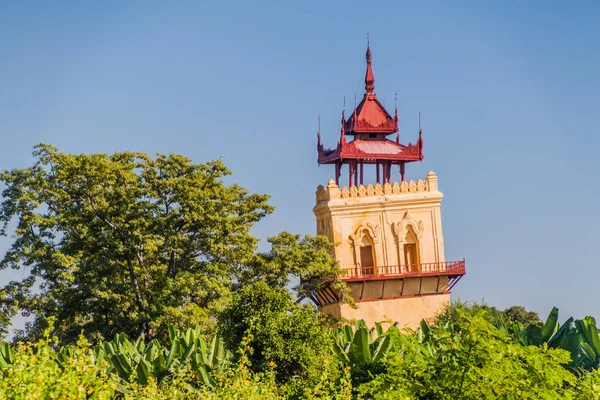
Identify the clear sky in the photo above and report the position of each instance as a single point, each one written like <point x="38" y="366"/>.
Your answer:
<point x="509" y="93"/>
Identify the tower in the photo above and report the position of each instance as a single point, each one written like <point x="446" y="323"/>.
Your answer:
<point x="388" y="236"/>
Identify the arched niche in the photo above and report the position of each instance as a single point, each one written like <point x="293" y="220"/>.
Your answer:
<point x="365" y="242"/>
<point x="409" y="235"/>
<point x="411" y="251"/>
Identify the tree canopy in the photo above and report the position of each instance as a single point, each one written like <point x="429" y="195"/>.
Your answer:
<point x="123" y="242"/>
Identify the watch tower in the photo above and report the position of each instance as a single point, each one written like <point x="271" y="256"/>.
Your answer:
<point x="388" y="235"/>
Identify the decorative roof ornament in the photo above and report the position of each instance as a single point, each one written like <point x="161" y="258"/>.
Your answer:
<point x="370" y="116"/>
<point x="369" y="78"/>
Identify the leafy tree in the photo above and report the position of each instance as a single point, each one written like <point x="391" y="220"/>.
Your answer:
<point x="520" y="314"/>
<point x="288" y="336"/>
<point x="512" y="314"/>
<point x="124" y="242"/>
<point x="308" y="259"/>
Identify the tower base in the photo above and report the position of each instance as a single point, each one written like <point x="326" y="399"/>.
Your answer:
<point x="407" y="311"/>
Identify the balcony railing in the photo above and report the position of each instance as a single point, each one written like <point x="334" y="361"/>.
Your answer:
<point x="407" y="271"/>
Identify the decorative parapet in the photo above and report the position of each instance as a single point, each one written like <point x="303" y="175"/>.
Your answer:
<point x="332" y="191"/>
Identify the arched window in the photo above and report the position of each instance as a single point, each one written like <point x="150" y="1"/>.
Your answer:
<point x="367" y="260"/>
<point x="411" y="250"/>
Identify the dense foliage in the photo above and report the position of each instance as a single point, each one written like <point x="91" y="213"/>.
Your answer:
<point x="123" y="242"/>
<point x="126" y="243"/>
<point x="466" y="357"/>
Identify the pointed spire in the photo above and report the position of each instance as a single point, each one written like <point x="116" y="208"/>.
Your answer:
<point x="420" y="143"/>
<point x="343" y="128"/>
<point x="319" y="130"/>
<point x="344" y="117"/>
<point x="369" y="78"/>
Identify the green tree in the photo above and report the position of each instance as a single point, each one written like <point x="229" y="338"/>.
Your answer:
<point x="308" y="260"/>
<point x="124" y="242"/>
<point x="520" y="314"/>
<point x="290" y="337"/>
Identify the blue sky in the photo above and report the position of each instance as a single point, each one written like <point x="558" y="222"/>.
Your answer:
<point x="509" y="93"/>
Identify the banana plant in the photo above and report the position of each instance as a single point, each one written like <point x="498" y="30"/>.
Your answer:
<point x="533" y="335"/>
<point x="579" y="337"/>
<point x="7" y="355"/>
<point x="362" y="345"/>
<point x="153" y="360"/>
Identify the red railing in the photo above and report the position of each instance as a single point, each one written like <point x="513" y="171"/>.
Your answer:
<point x="438" y="268"/>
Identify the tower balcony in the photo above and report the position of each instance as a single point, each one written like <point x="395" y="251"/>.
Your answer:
<point x="396" y="281"/>
<point x="454" y="269"/>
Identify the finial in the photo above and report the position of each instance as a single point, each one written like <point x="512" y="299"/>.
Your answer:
<point x="369" y="78"/>
<point x="343" y="122"/>
<point x="368" y="55"/>
<point x="319" y="124"/>
<point x="420" y="136"/>
<point x="396" y="108"/>
<point x="319" y="130"/>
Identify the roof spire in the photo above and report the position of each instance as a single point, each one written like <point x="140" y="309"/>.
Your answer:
<point x="420" y="141"/>
<point x="369" y="78"/>
<point x="343" y="129"/>
<point x="319" y="131"/>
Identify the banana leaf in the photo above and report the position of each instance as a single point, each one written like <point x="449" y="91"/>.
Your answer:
<point x="122" y="366"/>
<point x="143" y="370"/>
<point x="360" y="351"/>
<point x="589" y="333"/>
<point x="534" y="335"/>
<point x="551" y="325"/>
<point x="558" y="337"/>
<point x="383" y="346"/>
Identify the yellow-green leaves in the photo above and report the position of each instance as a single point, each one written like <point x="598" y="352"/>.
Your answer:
<point x="121" y="242"/>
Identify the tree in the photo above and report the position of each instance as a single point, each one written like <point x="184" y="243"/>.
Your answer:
<point x="292" y="338"/>
<point x="309" y="259"/>
<point x="520" y="314"/>
<point x="124" y="242"/>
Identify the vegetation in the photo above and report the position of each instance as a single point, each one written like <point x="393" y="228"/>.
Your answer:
<point x="467" y="358"/>
<point x="580" y="338"/>
<point x="157" y="255"/>
<point x="124" y="243"/>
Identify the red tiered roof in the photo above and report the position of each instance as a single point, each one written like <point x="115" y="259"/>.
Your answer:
<point x="370" y="116"/>
<point x="370" y="123"/>
<point x="371" y="151"/>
